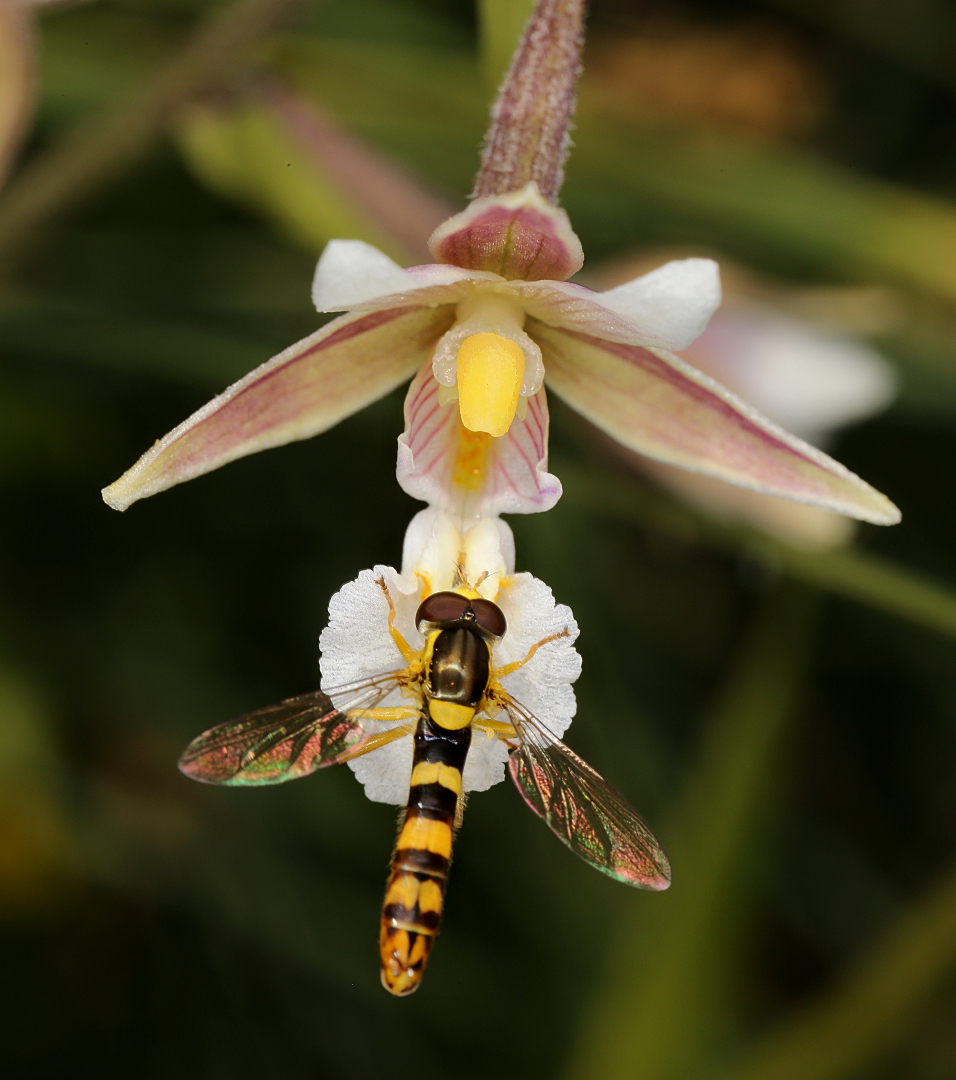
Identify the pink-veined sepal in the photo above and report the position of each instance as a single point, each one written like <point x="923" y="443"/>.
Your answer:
<point x="303" y="391"/>
<point x="658" y="405"/>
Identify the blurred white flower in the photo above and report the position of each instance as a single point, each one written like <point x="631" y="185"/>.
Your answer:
<point x="810" y="380"/>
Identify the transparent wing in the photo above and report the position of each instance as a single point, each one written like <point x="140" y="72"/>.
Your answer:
<point x="292" y="739"/>
<point x="581" y="808"/>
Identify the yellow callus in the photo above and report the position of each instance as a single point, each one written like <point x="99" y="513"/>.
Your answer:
<point x="490" y="373"/>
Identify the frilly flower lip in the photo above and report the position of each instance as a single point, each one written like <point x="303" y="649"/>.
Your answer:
<point x="356" y="643"/>
<point x="491" y="343"/>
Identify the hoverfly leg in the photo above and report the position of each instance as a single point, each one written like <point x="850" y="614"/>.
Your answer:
<point x="508" y="669"/>
<point x="382" y="738"/>
<point x="499" y="728"/>
<point x="387" y="715"/>
<point x="408" y="653"/>
<point x="460" y="812"/>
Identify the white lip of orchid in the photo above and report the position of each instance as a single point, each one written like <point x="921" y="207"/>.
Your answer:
<point x="488" y="311"/>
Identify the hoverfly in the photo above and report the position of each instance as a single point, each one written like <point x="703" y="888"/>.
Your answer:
<point x="454" y="691"/>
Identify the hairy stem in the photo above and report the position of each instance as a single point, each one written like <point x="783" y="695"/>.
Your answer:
<point x="529" y="135"/>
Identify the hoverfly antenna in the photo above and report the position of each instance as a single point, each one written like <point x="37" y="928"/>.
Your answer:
<point x="485" y="575"/>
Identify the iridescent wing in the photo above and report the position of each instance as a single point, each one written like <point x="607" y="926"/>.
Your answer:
<point x="292" y="739"/>
<point x="581" y="808"/>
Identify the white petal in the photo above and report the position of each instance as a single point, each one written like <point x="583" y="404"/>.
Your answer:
<point x="431" y="550"/>
<point x="355" y="645"/>
<point x="351" y="272"/>
<point x="488" y="555"/>
<point x="672" y="303"/>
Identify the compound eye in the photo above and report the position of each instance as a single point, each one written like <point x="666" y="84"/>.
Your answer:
<point x="489" y="617"/>
<point x="441" y="607"/>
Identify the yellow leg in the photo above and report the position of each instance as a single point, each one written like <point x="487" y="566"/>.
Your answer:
<point x="380" y="740"/>
<point x="500" y="673"/>
<point x="408" y="653"/>
<point x="496" y="727"/>
<point x="399" y="712"/>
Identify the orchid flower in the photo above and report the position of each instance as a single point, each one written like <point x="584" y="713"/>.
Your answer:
<point x="488" y="325"/>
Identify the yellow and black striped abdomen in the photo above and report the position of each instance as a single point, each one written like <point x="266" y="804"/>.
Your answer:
<point x="416" y="887"/>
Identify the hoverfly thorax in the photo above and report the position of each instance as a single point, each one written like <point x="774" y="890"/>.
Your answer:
<point x="459" y="627"/>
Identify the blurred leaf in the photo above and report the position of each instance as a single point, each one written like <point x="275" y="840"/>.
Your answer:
<point x="921" y="35"/>
<point x="277" y="152"/>
<point x="17" y="76"/>
<point x="93" y="56"/>
<point x="500" y="23"/>
<point x="833" y="220"/>
<point x="875" y="1005"/>
<point x="245" y="155"/>
<point x="118" y="342"/>
<point x="425" y="105"/>
<point x="35" y="839"/>
<point x="42" y="437"/>
<point x="667" y="1000"/>
<point x="97" y="149"/>
<point x="851" y="572"/>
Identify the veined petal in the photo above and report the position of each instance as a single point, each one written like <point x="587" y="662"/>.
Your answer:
<point x="469" y="474"/>
<point x="304" y="390"/>
<point x="660" y="406"/>
<point x="665" y="309"/>
<point x="354" y="276"/>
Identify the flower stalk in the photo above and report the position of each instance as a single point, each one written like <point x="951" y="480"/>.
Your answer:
<point x="529" y="136"/>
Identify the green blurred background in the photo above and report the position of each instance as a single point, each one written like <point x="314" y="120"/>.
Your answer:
<point x="785" y="718"/>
